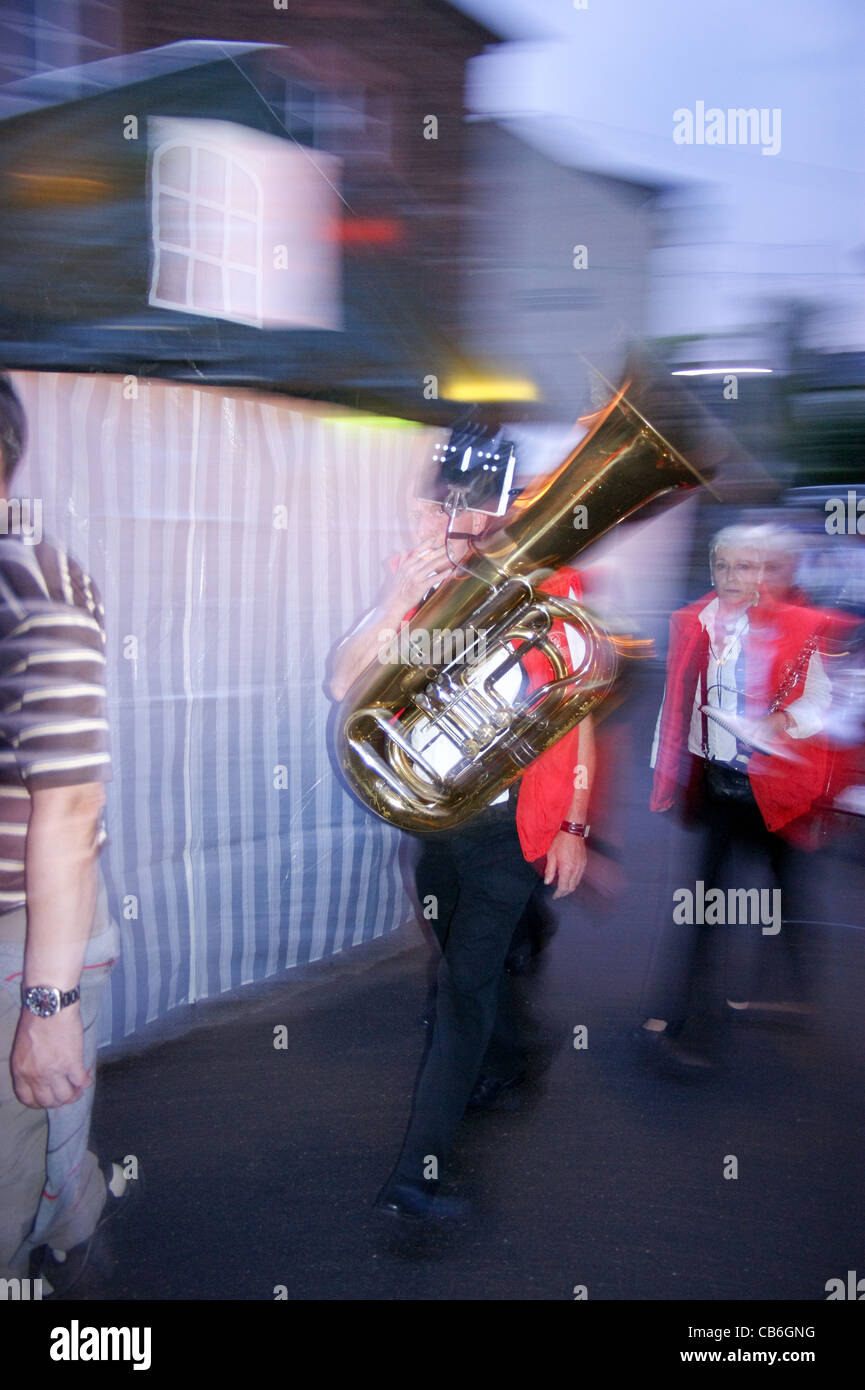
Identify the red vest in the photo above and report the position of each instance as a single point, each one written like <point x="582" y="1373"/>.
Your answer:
<point x="776" y="639"/>
<point x="548" y="783"/>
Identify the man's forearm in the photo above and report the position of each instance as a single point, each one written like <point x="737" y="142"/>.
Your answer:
<point x="362" y="646"/>
<point x="566" y="857"/>
<point x="62" y="880"/>
<point x="578" y="810"/>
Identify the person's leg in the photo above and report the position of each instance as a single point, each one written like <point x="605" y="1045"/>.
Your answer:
<point x="495" y="884"/>
<point x="437" y="882"/>
<point x="785" y="972"/>
<point x="505" y="1056"/>
<point x="74" y="1192"/>
<point x="437" y="886"/>
<point x="751" y="870"/>
<point x="799" y="872"/>
<point x="23" y="1134"/>
<point x="533" y="931"/>
<point x="678" y="852"/>
<point x="695" y="1007"/>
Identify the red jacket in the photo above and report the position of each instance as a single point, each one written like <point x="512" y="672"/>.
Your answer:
<point x="776" y="638"/>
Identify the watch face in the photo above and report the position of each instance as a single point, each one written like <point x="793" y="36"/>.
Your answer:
<point x="42" y="1000"/>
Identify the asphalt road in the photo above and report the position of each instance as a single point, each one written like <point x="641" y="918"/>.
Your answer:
<point x="260" y="1164"/>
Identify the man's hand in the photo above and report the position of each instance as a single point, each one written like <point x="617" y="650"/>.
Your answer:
<point x="419" y="571"/>
<point x="47" y="1061"/>
<point x="769" y="727"/>
<point x="567" y="859"/>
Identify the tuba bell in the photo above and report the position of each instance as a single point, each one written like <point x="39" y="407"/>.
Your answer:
<point x="396" y="711"/>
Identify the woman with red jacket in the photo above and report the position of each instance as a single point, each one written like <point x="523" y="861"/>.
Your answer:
<point x="738" y="749"/>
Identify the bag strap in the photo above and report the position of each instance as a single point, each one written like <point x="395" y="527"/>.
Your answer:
<point x="704" y="697"/>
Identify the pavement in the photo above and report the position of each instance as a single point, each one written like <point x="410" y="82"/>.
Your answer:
<point x="604" y="1172"/>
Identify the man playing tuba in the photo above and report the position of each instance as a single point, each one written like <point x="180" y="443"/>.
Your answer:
<point x="481" y="873"/>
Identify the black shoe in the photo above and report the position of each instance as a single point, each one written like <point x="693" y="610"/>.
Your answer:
<point x="131" y="1192"/>
<point x="414" y="1202"/>
<point x="664" y="1047"/>
<point x="62" y="1270"/>
<point x="488" y="1089"/>
<point x="683" y="1059"/>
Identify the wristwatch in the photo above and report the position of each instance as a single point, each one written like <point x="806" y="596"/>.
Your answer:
<point x="44" y="1000"/>
<point x="575" y="828"/>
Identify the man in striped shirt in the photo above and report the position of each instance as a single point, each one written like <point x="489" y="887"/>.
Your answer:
<point x="57" y="943"/>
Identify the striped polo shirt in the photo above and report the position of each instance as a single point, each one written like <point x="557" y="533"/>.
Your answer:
<point x="53" y="725"/>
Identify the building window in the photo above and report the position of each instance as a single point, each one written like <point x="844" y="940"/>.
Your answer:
<point x="207" y="226"/>
<point x="355" y="123"/>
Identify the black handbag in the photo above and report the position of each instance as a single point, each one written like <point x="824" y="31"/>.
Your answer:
<point x="726" y="783"/>
<point x="721" y="781"/>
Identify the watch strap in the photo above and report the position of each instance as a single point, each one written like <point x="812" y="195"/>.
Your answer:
<point x="573" y="827"/>
<point x="46" y="1000"/>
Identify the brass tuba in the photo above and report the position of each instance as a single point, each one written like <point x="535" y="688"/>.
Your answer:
<point x="395" y="711"/>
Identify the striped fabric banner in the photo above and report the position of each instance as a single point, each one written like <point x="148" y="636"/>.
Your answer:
<point x="235" y="538"/>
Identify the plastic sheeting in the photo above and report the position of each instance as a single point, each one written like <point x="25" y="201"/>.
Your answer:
<point x="235" y="537"/>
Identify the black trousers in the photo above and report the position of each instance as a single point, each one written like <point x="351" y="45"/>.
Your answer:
<point x="481" y="884"/>
<point x="703" y="964"/>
